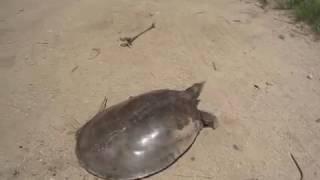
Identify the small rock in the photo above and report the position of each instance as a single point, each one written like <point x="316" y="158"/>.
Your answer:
<point x="309" y="76"/>
<point x="53" y="170"/>
<point x="236" y="147"/>
<point x="20" y="147"/>
<point x="256" y="86"/>
<point x="95" y="52"/>
<point x="318" y="120"/>
<point x="193" y="158"/>
<point x="15" y="173"/>
<point x="281" y="37"/>
<point x="20" y="11"/>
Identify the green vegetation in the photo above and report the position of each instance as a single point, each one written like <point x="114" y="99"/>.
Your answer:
<point x="305" y="10"/>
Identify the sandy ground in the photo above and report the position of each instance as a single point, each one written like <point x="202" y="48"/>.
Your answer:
<point x="265" y="89"/>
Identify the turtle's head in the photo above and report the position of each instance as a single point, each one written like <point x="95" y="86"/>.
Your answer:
<point x="195" y="90"/>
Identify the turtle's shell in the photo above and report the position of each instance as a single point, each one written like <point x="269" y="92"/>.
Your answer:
<point x="140" y="136"/>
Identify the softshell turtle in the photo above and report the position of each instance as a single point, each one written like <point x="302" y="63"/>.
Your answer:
<point x="142" y="135"/>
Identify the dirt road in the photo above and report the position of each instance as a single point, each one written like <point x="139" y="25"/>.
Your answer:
<point x="58" y="59"/>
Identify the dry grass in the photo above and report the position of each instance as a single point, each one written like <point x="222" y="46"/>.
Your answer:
<point x="305" y="10"/>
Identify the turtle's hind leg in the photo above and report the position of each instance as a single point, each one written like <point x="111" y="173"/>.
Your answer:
<point x="209" y="120"/>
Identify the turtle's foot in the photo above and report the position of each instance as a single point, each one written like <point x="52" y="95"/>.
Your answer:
<point x="209" y="120"/>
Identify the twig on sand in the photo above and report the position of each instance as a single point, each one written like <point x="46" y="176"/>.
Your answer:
<point x="42" y="43"/>
<point x="200" y="12"/>
<point x="127" y="41"/>
<point x="297" y="165"/>
<point x="103" y="105"/>
<point x="75" y="68"/>
<point x="214" y="66"/>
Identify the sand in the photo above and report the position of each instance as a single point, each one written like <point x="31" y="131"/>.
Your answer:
<point x="59" y="59"/>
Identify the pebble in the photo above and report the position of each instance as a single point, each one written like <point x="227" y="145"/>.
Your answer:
<point x="281" y="37"/>
<point x="256" y="86"/>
